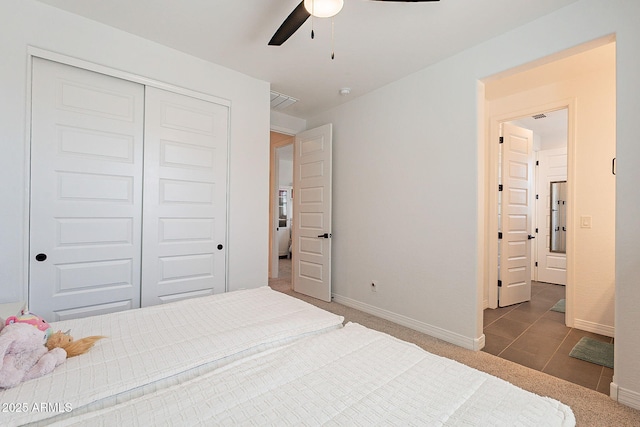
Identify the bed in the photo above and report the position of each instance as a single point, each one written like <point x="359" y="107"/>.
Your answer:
<point x="347" y="376"/>
<point x="152" y="348"/>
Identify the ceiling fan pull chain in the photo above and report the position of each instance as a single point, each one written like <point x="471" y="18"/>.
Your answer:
<point x="333" y="53"/>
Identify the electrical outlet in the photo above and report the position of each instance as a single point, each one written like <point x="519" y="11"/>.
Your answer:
<point x="374" y="286"/>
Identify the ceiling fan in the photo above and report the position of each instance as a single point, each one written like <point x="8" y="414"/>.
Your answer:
<point x="318" y="8"/>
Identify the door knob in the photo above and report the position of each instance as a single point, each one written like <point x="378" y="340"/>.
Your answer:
<point x="220" y="247"/>
<point x="41" y="257"/>
<point x="531" y="237"/>
<point x="325" y="235"/>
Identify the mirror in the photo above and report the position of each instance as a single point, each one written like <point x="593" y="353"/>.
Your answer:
<point x="558" y="217"/>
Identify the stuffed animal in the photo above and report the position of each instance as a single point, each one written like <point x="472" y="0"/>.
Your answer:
<point x="31" y="319"/>
<point x="24" y="355"/>
<point x="73" y="348"/>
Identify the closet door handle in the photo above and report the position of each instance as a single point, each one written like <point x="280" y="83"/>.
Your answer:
<point x="325" y="235"/>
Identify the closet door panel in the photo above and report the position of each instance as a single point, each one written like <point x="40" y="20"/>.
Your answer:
<point x="86" y="192"/>
<point x="184" y="220"/>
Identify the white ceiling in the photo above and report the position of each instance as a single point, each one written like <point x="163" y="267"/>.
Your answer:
<point x="375" y="42"/>
<point x="555" y="123"/>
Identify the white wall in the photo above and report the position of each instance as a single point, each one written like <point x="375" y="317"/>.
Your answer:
<point x="286" y="173"/>
<point x="591" y="287"/>
<point x="26" y="23"/>
<point x="286" y="124"/>
<point x="408" y="183"/>
<point x="550" y="142"/>
<point x="405" y="201"/>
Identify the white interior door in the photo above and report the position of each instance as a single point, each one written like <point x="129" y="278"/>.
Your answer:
<point x="552" y="266"/>
<point x="312" y="213"/>
<point x="185" y="209"/>
<point x="86" y="201"/>
<point x="515" y="215"/>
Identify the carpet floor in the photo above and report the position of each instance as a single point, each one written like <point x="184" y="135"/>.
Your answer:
<point x="590" y="407"/>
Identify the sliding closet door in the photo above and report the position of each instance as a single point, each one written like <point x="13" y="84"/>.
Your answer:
<point x="184" y="220"/>
<point x="86" y="201"/>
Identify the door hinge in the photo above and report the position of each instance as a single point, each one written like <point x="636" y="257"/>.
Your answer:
<point x="536" y="263"/>
<point x="537" y="196"/>
<point x="499" y="187"/>
<point x="501" y="140"/>
<point x="499" y="235"/>
<point x="499" y="283"/>
<point x="536" y="230"/>
<point x="537" y="163"/>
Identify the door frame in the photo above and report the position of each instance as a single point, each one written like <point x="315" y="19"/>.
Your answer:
<point x="490" y="278"/>
<point x="32" y="52"/>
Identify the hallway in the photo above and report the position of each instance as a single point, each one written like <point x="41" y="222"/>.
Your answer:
<point x="532" y="335"/>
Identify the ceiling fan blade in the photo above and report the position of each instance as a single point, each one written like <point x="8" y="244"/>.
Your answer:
<point x="290" y="25"/>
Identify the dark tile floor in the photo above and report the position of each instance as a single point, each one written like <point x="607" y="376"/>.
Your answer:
<point x="532" y="335"/>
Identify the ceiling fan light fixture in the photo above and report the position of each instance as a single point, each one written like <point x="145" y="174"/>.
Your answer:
<point x="323" y="8"/>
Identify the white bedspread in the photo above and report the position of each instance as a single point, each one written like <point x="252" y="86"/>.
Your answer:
<point x="148" y="348"/>
<point x="350" y="376"/>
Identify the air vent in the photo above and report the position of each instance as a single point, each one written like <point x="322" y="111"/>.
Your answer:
<point x="539" y="116"/>
<point x="280" y="101"/>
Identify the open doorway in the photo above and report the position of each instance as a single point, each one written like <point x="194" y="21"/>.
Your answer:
<point x="582" y="83"/>
<point x="532" y="163"/>
<point x="280" y="205"/>
<point x="549" y="256"/>
<point x="309" y="234"/>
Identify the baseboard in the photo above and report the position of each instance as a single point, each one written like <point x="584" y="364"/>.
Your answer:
<point x="613" y="391"/>
<point x="596" y="328"/>
<point x="479" y="343"/>
<point x="624" y="396"/>
<point x="434" y="331"/>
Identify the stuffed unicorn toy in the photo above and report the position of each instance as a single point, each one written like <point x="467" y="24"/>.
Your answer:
<point x="31" y="319"/>
<point x="23" y="355"/>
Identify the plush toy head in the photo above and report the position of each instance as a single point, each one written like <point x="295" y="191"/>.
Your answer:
<point x="33" y="320"/>
<point x="59" y="339"/>
<point x="73" y="348"/>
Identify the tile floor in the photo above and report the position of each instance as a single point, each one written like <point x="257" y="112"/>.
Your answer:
<point x="532" y="335"/>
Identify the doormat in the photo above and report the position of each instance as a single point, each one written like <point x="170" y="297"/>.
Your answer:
<point x="559" y="307"/>
<point x="594" y="351"/>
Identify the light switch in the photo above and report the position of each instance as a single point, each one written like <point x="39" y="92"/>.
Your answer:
<point x="585" y="221"/>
